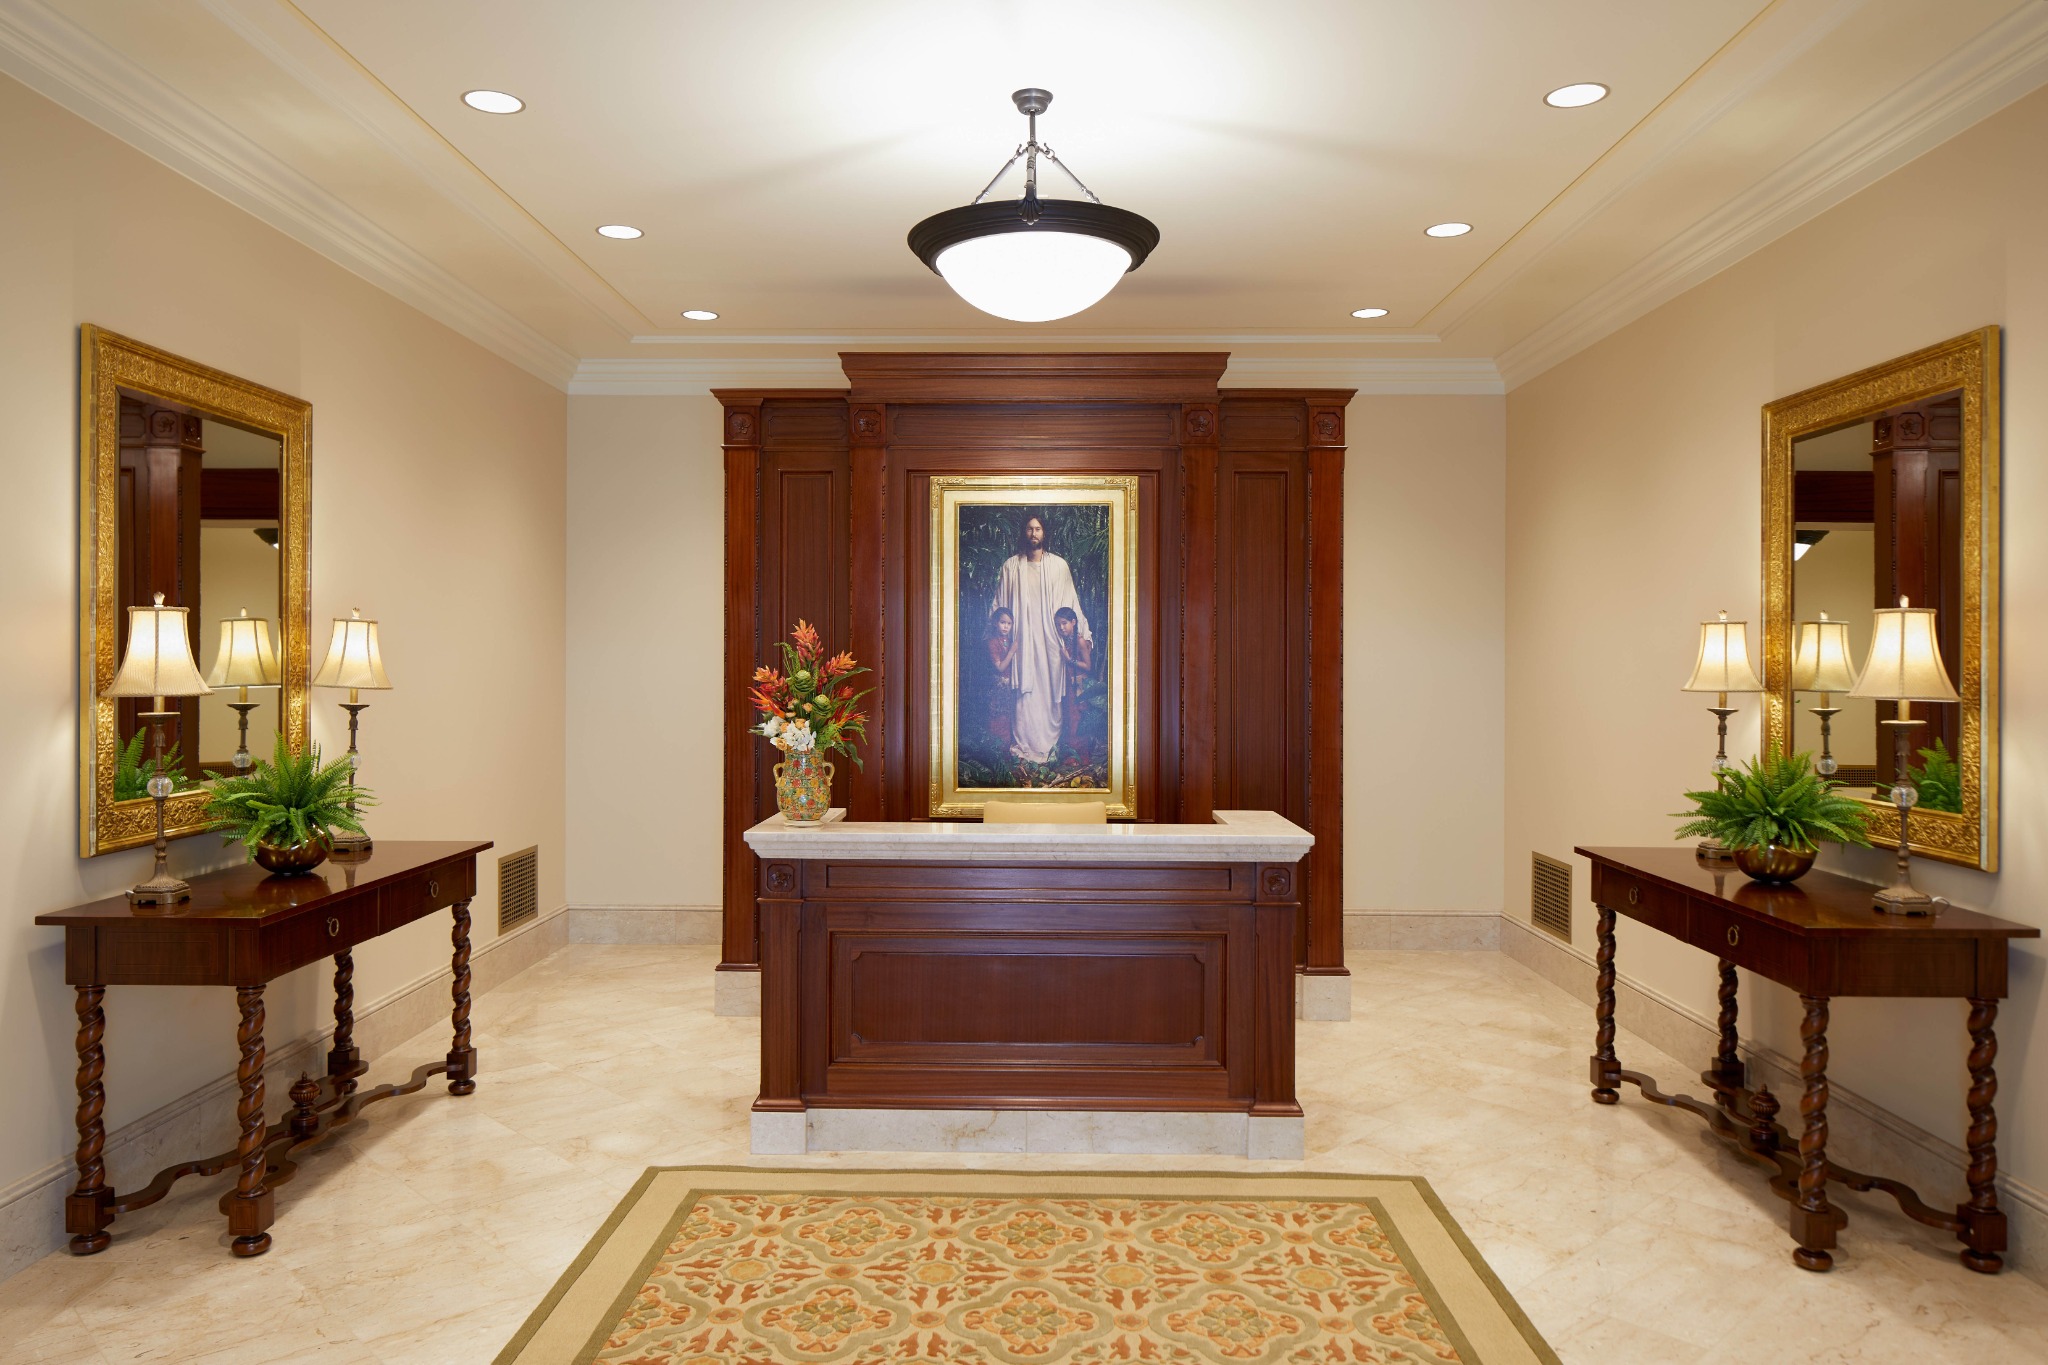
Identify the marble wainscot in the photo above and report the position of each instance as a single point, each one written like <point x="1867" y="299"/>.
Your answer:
<point x="1029" y="988"/>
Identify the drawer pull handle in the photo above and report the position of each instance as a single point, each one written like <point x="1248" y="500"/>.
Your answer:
<point x="1635" y="895"/>
<point x="433" y="888"/>
<point x="333" y="927"/>
<point x="1734" y="936"/>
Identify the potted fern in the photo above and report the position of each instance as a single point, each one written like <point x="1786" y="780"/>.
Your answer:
<point x="285" y="811"/>
<point x="1774" y="812"/>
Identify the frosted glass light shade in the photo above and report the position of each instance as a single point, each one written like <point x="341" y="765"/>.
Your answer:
<point x="1905" y="657"/>
<point x="1820" y="660"/>
<point x="353" y="659"/>
<point x="1033" y="276"/>
<point x="159" y="659"/>
<point x="245" y="657"/>
<point x="1723" y="663"/>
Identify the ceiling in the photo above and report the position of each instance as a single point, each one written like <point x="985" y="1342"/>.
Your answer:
<point x="776" y="152"/>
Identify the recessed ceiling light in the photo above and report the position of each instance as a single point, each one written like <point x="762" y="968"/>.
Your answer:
<point x="493" y="101"/>
<point x="1368" y="312"/>
<point x="619" y="231"/>
<point x="1448" y="230"/>
<point x="700" y="315"/>
<point x="1576" y="96"/>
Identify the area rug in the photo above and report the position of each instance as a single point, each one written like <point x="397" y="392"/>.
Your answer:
<point x="703" y="1264"/>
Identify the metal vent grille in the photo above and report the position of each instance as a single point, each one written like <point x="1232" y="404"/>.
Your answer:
<point x="518" y="888"/>
<point x="1550" y="895"/>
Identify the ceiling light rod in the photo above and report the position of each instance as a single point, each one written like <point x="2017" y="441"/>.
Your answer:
<point x="1032" y="103"/>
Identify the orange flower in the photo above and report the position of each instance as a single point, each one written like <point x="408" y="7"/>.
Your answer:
<point x="764" y="674"/>
<point x="841" y="664"/>
<point x="808" y="646"/>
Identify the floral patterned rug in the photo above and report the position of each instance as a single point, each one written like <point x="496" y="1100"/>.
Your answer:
<point x="703" y="1265"/>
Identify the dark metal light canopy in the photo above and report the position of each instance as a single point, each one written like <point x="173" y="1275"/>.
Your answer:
<point x="1032" y="259"/>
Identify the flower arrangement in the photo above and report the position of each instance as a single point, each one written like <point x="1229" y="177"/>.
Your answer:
<point x="810" y="705"/>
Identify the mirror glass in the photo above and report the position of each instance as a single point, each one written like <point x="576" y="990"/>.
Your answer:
<point x="199" y="523"/>
<point x="1876" y="515"/>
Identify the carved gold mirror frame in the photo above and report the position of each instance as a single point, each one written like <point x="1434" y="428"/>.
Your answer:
<point x="108" y="366"/>
<point x="1967" y="364"/>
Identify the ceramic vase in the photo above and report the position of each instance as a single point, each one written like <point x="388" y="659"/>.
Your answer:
<point x="1774" y="864"/>
<point x="803" y="788"/>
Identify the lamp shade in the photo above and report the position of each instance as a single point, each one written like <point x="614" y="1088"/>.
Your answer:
<point x="1905" y="657"/>
<point x="1820" y="660"/>
<point x="159" y="659"/>
<point x="245" y="658"/>
<point x="1723" y="665"/>
<point x="353" y="659"/>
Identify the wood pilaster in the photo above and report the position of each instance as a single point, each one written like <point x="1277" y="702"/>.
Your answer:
<point x="1325" y="864"/>
<point x="742" y="441"/>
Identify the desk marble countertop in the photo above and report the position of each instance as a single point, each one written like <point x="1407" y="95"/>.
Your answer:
<point x="1237" y="836"/>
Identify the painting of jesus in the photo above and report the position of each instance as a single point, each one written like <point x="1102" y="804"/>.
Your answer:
<point x="1031" y="617"/>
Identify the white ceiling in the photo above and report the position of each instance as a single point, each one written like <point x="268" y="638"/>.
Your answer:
<point x="776" y="152"/>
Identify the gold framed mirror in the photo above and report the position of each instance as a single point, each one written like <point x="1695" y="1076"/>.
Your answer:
<point x="1879" y="485"/>
<point x="193" y="484"/>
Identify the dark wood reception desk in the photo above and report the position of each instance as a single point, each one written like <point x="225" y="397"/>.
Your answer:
<point x="1029" y="987"/>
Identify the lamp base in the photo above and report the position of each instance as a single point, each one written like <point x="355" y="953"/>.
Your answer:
<point x="1714" y="853"/>
<point x="1905" y="900"/>
<point x="347" y="843"/>
<point x="163" y="889"/>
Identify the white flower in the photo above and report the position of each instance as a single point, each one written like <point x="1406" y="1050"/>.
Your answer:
<point x="797" y="737"/>
<point x="770" y="727"/>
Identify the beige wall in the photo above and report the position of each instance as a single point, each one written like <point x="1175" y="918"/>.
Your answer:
<point x="646" y="644"/>
<point x="1635" y="512"/>
<point x="1425" y="563"/>
<point x="438" y="486"/>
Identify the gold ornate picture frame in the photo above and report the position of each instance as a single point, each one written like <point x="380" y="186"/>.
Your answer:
<point x="978" y="528"/>
<point x="1968" y="364"/>
<point x="109" y="365"/>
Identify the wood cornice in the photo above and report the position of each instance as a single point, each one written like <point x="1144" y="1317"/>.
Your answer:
<point x="1083" y="377"/>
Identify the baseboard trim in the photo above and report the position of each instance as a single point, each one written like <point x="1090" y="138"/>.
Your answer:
<point x="1423" y="930"/>
<point x="1863" y="1134"/>
<point x="203" y="1120"/>
<point x="663" y="925"/>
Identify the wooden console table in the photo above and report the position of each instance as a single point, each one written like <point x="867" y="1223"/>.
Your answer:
<point x="244" y="928"/>
<point x="1821" y="938"/>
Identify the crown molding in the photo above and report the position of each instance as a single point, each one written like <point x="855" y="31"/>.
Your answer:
<point x="696" y="376"/>
<point x="2005" y="62"/>
<point x="66" y="64"/>
<point x="1015" y="339"/>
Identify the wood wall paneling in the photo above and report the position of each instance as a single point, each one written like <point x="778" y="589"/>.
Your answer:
<point x="1239" y="509"/>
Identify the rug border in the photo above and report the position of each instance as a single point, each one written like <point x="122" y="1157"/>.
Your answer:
<point x="1509" y="1307"/>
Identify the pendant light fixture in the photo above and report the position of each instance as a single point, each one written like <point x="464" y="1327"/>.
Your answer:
<point x="1032" y="259"/>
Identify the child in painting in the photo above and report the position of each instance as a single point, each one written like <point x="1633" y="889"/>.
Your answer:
<point x="1002" y="683"/>
<point x="1079" y="656"/>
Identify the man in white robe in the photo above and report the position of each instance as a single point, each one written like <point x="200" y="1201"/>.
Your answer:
<point x="1034" y="585"/>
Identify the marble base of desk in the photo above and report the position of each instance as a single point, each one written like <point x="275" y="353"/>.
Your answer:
<point x="1141" y="1133"/>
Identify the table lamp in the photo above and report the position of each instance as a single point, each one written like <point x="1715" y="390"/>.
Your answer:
<point x="244" y="660"/>
<point x="158" y="665"/>
<point x="1821" y="663"/>
<point x="1722" y="667"/>
<point x="1904" y="667"/>
<point x="355" y="662"/>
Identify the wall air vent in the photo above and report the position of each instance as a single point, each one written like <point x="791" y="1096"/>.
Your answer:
<point x="1550" y="895"/>
<point x="518" y="888"/>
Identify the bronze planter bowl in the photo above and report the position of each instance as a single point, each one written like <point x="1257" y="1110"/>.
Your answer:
<point x="1775" y="864"/>
<point x="295" y="860"/>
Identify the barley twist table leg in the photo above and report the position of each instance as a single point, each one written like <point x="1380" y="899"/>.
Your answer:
<point x="461" y="1056"/>
<point x="250" y="1206"/>
<point x="1983" y="1230"/>
<point x="1606" y="1067"/>
<point x="85" y="1211"/>
<point x="1813" y="1219"/>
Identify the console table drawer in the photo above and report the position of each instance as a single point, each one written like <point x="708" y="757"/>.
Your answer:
<point x="423" y="893"/>
<point x="1639" y="899"/>
<point x="1765" y="949"/>
<point x="308" y="938"/>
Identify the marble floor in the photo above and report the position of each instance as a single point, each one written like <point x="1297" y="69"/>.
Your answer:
<point x="428" y="1232"/>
